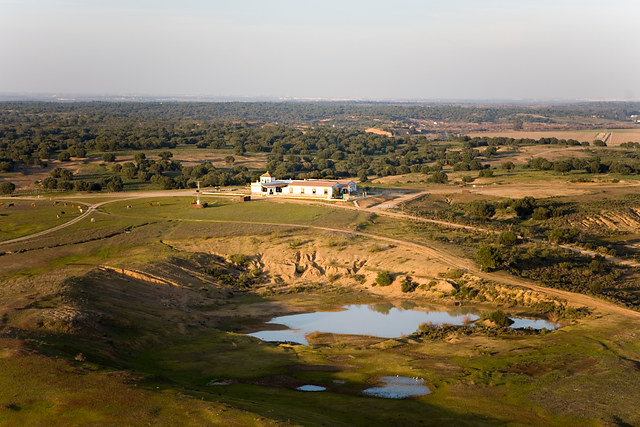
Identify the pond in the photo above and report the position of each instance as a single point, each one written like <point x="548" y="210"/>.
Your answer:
<point x="311" y="387"/>
<point x="398" y="388"/>
<point x="377" y="320"/>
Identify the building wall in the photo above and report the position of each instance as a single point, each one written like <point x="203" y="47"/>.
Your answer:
<point x="310" y="191"/>
<point x="256" y="188"/>
<point x="307" y="191"/>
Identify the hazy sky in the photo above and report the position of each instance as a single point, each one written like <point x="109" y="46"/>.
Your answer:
<point x="430" y="49"/>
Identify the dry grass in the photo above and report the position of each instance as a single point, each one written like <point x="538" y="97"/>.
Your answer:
<point x="618" y="136"/>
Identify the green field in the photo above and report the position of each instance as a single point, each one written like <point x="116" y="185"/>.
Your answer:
<point x="23" y="218"/>
<point x="225" y="209"/>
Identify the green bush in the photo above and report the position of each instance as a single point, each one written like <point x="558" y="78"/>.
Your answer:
<point x="7" y="187"/>
<point x="489" y="257"/>
<point x="454" y="274"/>
<point x="524" y="207"/>
<point x="507" y="166"/>
<point x="541" y="213"/>
<point x="563" y="235"/>
<point x="407" y="285"/>
<point x="384" y="278"/>
<point x="508" y="238"/>
<point x="499" y="318"/>
<point x="482" y="210"/>
<point x="438" y="178"/>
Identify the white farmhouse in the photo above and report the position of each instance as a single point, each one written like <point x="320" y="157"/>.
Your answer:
<point x="308" y="188"/>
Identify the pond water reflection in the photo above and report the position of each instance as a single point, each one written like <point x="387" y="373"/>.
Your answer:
<point x="398" y="388"/>
<point x="377" y="320"/>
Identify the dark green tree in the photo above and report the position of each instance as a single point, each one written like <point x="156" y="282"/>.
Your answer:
<point x="489" y="257"/>
<point x="7" y="187"/>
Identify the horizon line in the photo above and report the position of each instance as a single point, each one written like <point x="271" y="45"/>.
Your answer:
<point x="83" y="97"/>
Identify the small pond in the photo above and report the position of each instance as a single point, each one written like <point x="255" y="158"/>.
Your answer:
<point x="311" y="387"/>
<point x="377" y="320"/>
<point x="398" y="388"/>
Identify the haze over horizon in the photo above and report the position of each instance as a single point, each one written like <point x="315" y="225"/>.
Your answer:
<point x="406" y="49"/>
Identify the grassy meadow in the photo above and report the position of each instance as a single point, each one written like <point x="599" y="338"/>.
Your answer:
<point x="31" y="216"/>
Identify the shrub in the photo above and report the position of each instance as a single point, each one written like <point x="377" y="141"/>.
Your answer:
<point x="360" y="278"/>
<point x="438" y="178"/>
<point x="115" y="184"/>
<point x="596" y="266"/>
<point x="524" y="207"/>
<point x="508" y="238"/>
<point x="485" y="173"/>
<point x="64" y="185"/>
<point x="108" y="157"/>
<point x="407" y="285"/>
<point x="489" y="257"/>
<point x="7" y="187"/>
<point x="80" y="185"/>
<point x="384" y="278"/>
<point x="482" y="210"/>
<point x="49" y="183"/>
<point x="5" y="166"/>
<point x="563" y="235"/>
<point x="454" y="274"/>
<point x="95" y="186"/>
<point x="375" y="248"/>
<point x="240" y="260"/>
<point x="61" y="173"/>
<point x="507" y="166"/>
<point x="541" y="214"/>
<point x="499" y="318"/>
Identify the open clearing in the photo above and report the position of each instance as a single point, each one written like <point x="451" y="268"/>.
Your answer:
<point x="617" y="136"/>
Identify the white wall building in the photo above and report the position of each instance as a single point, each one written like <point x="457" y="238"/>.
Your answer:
<point x="311" y="188"/>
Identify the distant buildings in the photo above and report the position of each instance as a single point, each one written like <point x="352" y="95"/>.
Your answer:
<point x="312" y="188"/>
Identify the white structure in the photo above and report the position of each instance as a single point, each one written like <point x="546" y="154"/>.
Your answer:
<point x="311" y="188"/>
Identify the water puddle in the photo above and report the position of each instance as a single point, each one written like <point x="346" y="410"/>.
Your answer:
<point x="376" y="320"/>
<point x="398" y="388"/>
<point x="311" y="387"/>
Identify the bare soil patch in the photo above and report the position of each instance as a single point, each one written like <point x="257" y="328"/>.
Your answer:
<point x="550" y="153"/>
<point x="616" y="137"/>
